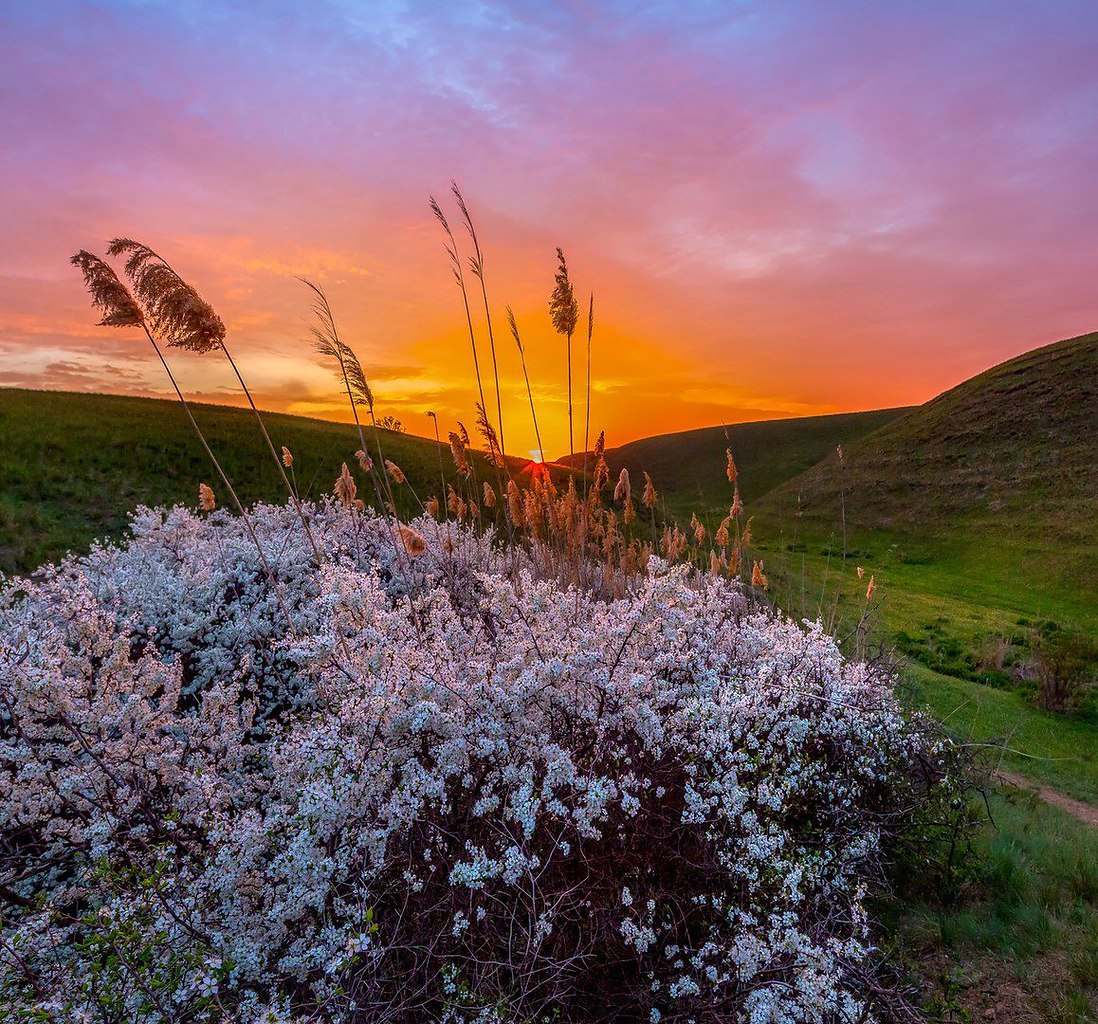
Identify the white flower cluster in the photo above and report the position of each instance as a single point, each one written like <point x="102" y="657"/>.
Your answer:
<point x="457" y="790"/>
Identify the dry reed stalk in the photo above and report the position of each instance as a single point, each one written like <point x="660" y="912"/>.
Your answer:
<point x="359" y="393"/>
<point x="476" y="264"/>
<point x="122" y="310"/>
<point x="181" y="315"/>
<point x="526" y="376"/>
<point x="450" y="245"/>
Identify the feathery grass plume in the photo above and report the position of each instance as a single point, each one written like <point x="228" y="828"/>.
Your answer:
<point x="119" y="307"/>
<point x="431" y="507"/>
<point x="564" y="312"/>
<point x="457" y="450"/>
<point x="328" y="343"/>
<point x="476" y="264"/>
<point x="464" y="434"/>
<point x="450" y="245"/>
<point x="487" y="431"/>
<point x="365" y="463"/>
<point x="730" y="469"/>
<point x="649" y="497"/>
<point x="623" y="490"/>
<point x="489" y="496"/>
<point x="714" y="563"/>
<point x="345" y="488"/>
<point x="287" y="457"/>
<point x="721" y="536"/>
<point x="745" y="537"/>
<point x="514" y="504"/>
<point x="698" y="528"/>
<point x="526" y="376"/>
<point x="179" y="314"/>
<point x="871" y="589"/>
<point x="206" y="500"/>
<point x="629" y="513"/>
<point x="758" y="577"/>
<point x="122" y="310"/>
<point x="174" y="308"/>
<point x="861" y="572"/>
<point x="395" y="472"/>
<point x="737" y="504"/>
<point x="413" y="542"/>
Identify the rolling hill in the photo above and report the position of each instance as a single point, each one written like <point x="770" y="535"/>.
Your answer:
<point x="72" y="466"/>
<point x="688" y="467"/>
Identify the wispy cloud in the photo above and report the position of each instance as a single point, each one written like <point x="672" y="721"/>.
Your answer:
<point x="797" y="205"/>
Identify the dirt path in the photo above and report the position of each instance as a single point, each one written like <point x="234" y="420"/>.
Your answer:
<point x="1086" y="813"/>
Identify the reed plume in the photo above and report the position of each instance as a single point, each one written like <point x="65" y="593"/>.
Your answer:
<point x="622" y="489"/>
<point x="413" y="542"/>
<point x="287" y="457"/>
<point x="395" y="472"/>
<point x="107" y="292"/>
<point x="174" y="308"/>
<point x="730" y="469"/>
<point x="488" y="433"/>
<point x="206" y="500"/>
<point x="564" y="313"/>
<point x="649" y="497"/>
<point x="345" y="487"/>
<point x="489" y="496"/>
<point x="122" y="310"/>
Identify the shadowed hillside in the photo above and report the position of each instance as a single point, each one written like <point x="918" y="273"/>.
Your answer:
<point x="688" y="467"/>
<point x="1016" y="442"/>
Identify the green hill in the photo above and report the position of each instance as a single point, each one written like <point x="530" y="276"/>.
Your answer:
<point x="72" y="466"/>
<point x="688" y="467"/>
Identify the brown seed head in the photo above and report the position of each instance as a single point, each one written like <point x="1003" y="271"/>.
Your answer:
<point x="176" y="311"/>
<point x="395" y="472"/>
<point x="345" y="487"/>
<point x="206" y="500"/>
<point x="287" y="457"/>
<point x="365" y="463"/>
<point x="107" y="292"/>
<point x="413" y="542"/>
<point x="730" y="469"/>
<point x="563" y="307"/>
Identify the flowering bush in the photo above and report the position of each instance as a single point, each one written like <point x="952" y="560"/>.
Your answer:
<point x="455" y="790"/>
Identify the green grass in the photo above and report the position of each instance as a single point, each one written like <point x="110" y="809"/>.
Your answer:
<point x="688" y="467"/>
<point x="73" y="466"/>
<point x="1020" y="939"/>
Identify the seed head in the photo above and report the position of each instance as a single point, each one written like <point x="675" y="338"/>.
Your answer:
<point x="107" y="292"/>
<point x="413" y="542"/>
<point x="345" y="487"/>
<point x="206" y="500"/>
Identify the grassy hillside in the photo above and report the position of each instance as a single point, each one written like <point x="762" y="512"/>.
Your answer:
<point x="72" y="466"/>
<point x="688" y="467"/>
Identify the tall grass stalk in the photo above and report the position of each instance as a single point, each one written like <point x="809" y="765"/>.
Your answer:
<point x="476" y="263"/>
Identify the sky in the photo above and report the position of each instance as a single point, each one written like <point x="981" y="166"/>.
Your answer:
<point x="782" y="208"/>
